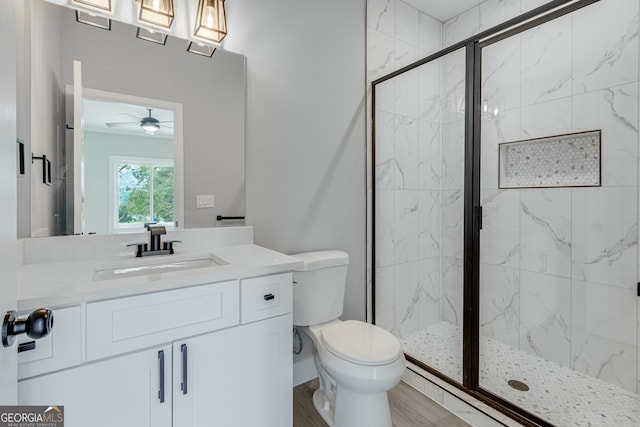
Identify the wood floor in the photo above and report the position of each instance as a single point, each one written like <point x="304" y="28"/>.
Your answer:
<point x="409" y="408"/>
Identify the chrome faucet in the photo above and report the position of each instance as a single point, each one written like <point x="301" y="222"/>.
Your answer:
<point x="155" y="246"/>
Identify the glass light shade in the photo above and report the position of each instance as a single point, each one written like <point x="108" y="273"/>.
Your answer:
<point x="211" y="22"/>
<point x="99" y="4"/>
<point x="201" y="49"/>
<point x="157" y="12"/>
<point x="93" y="20"/>
<point x="150" y="128"/>
<point x="151" y="35"/>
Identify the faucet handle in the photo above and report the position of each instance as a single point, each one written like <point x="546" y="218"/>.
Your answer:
<point x="167" y="245"/>
<point x="141" y="248"/>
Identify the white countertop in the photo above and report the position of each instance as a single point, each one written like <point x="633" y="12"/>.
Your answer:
<point x="65" y="283"/>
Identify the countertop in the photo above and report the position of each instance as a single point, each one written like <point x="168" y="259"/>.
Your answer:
<point x="65" y="283"/>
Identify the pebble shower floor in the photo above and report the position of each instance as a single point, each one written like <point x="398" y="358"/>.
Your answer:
<point x="556" y="393"/>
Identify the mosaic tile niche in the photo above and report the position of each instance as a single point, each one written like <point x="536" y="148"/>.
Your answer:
<point x="571" y="160"/>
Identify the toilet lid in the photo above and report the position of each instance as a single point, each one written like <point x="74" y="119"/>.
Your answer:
<point x="361" y="343"/>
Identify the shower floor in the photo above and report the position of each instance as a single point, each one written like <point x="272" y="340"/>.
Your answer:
<point x="556" y="393"/>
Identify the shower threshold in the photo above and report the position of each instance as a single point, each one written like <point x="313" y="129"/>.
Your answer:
<point x="554" y="392"/>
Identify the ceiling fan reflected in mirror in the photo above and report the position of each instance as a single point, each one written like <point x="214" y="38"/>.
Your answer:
<point x="149" y="124"/>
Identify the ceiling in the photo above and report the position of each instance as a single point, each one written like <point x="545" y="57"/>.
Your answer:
<point x="443" y="10"/>
<point x="97" y="113"/>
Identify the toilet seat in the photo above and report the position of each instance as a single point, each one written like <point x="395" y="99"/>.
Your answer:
<point x="361" y="343"/>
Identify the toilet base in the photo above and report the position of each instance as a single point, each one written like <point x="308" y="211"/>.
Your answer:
<point x="355" y="409"/>
<point x="321" y="404"/>
<point x="358" y="410"/>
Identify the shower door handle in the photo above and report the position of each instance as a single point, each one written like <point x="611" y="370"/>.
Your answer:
<point x="478" y="210"/>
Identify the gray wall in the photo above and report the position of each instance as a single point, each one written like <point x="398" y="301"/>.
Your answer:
<point x="306" y="127"/>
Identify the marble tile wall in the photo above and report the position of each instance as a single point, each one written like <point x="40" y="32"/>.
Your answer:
<point x="559" y="266"/>
<point x="409" y="198"/>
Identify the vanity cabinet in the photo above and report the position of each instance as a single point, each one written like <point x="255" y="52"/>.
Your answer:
<point x="220" y="352"/>
<point x="236" y="377"/>
<point x="122" y="391"/>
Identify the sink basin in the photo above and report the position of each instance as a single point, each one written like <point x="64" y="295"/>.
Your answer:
<point x="155" y="265"/>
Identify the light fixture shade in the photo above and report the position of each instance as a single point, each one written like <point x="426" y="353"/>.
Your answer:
<point x="99" y="4"/>
<point x="211" y="22"/>
<point x="151" y="35"/>
<point x="201" y="49"/>
<point x="93" y="20"/>
<point x="156" y="12"/>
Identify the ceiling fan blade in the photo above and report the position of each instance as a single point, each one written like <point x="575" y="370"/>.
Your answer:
<point x="167" y="126"/>
<point x="121" y="124"/>
<point x="166" y="121"/>
<point x="131" y="115"/>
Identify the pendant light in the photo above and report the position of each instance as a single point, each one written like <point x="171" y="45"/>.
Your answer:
<point x="156" y="12"/>
<point x="211" y="22"/>
<point x="99" y="4"/>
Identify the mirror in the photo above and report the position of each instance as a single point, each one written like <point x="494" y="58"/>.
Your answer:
<point x="128" y="155"/>
<point x="211" y="92"/>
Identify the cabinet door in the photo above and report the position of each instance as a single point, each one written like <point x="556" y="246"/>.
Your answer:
<point x="123" y="392"/>
<point x="240" y="377"/>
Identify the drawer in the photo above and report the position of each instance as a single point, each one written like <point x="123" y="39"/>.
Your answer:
<point x="61" y="349"/>
<point x="125" y="324"/>
<point x="267" y="296"/>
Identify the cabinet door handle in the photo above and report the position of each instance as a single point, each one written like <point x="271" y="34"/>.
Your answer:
<point x="183" y="386"/>
<point x="161" y="363"/>
<point x="269" y="297"/>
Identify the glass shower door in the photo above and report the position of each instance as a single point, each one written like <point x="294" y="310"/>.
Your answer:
<point x="558" y="247"/>
<point x="418" y="190"/>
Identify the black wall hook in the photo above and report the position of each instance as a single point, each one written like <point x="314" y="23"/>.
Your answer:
<point x="46" y="168"/>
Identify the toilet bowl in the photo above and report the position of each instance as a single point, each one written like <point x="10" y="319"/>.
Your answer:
<point x="357" y="362"/>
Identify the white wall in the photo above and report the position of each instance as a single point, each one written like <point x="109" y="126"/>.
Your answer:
<point x="23" y="110"/>
<point x="306" y="127"/>
<point x="41" y="65"/>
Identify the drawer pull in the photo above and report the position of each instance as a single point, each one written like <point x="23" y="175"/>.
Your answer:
<point x="161" y="364"/>
<point x="26" y="346"/>
<point x="183" y="386"/>
<point x="269" y="297"/>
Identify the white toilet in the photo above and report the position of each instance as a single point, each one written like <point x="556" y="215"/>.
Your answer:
<point x="357" y="362"/>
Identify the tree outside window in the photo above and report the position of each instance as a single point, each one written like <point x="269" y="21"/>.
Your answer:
<point x="144" y="192"/>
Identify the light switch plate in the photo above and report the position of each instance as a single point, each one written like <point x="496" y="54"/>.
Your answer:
<point x="204" y="201"/>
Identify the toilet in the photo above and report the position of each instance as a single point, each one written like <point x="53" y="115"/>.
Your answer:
<point x="357" y="362"/>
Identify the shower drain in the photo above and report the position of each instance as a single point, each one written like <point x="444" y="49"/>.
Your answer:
<point x="518" y="385"/>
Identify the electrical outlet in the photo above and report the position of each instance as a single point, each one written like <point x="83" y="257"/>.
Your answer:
<point x="204" y="201"/>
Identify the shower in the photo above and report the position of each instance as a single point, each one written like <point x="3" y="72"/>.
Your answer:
<point x="505" y="213"/>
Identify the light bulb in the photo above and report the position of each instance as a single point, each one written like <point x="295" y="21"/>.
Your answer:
<point x="210" y="12"/>
<point x="156" y="5"/>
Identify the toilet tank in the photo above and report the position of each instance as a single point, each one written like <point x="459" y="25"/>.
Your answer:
<point x="318" y="287"/>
